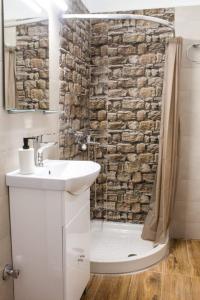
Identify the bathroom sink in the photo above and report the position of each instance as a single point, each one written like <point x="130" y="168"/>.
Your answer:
<point x="64" y="175"/>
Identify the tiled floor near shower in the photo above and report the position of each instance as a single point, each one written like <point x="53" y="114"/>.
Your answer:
<point x="175" y="278"/>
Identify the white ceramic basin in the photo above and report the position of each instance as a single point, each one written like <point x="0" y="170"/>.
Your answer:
<point x="65" y="175"/>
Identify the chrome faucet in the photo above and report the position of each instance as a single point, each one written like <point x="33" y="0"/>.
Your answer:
<point x="37" y="140"/>
<point x="40" y="152"/>
<point x="39" y="147"/>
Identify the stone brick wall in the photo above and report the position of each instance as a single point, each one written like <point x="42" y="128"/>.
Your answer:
<point x="74" y="82"/>
<point x="127" y="66"/>
<point x="32" y="66"/>
<point x="111" y="75"/>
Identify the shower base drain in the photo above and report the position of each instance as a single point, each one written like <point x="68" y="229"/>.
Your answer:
<point x="132" y="254"/>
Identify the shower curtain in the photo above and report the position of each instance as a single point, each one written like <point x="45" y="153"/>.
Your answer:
<point x="10" y="80"/>
<point x="159" y="216"/>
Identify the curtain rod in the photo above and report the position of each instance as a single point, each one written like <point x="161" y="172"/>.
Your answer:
<point x="119" y="17"/>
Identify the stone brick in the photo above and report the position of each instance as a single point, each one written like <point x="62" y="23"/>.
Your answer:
<point x="37" y="94"/>
<point x="144" y="199"/>
<point x="149" y="58"/>
<point x="117" y="73"/>
<point x="126" y="115"/>
<point x="131" y="167"/>
<point x="127" y="50"/>
<point x="132" y="104"/>
<point x="42" y="84"/>
<point x="124" y="177"/>
<point x="117" y="93"/>
<point x="136" y="208"/>
<point x="146" y="125"/>
<point x="132" y="157"/>
<point x="133" y="37"/>
<point x="132" y="137"/>
<point x="97" y="104"/>
<point x="133" y="59"/>
<point x="146" y="92"/>
<point x="141" y="114"/>
<point x="111" y="149"/>
<point x="146" y="157"/>
<point x="100" y="28"/>
<point x="133" y="92"/>
<point x="132" y="71"/>
<point x="126" y="148"/>
<point x="112" y="51"/>
<point x="133" y="125"/>
<point x="109" y="205"/>
<point x="115" y="125"/>
<point x="20" y="86"/>
<point x="140" y="148"/>
<point x="42" y="53"/>
<point x="123" y="207"/>
<point x="101" y="115"/>
<point x="115" y="157"/>
<point x="116" y="60"/>
<point x="129" y="197"/>
<point x="142" y="48"/>
<point x="141" y="82"/>
<point x="112" y="116"/>
<point x="37" y="63"/>
<point x="137" y="177"/>
<point x="149" y="177"/>
<point x="145" y="168"/>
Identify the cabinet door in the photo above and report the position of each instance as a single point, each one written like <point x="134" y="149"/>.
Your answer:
<point x="76" y="238"/>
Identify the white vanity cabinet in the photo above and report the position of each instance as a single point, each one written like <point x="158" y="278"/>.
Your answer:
<point x="50" y="243"/>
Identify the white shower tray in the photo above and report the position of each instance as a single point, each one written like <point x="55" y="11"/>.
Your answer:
<point x="118" y="248"/>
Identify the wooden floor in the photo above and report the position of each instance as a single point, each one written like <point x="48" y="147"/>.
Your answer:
<point x="175" y="278"/>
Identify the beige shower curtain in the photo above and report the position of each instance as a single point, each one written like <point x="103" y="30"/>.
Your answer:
<point x="10" y="80"/>
<point x="158" y="219"/>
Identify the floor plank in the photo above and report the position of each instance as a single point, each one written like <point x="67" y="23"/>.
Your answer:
<point x="92" y="287"/>
<point x="193" y="248"/>
<point x="195" y="288"/>
<point x="178" y="287"/>
<point x="145" y="286"/>
<point x="158" y="268"/>
<point x="178" y="261"/>
<point x="113" y="288"/>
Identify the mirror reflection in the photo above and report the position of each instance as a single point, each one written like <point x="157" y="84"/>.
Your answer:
<point x="26" y="55"/>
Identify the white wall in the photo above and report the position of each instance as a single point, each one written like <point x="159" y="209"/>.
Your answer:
<point x="20" y="9"/>
<point x="12" y="129"/>
<point x="124" y="5"/>
<point x="187" y="209"/>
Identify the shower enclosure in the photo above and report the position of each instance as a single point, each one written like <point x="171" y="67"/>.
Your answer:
<point x="112" y="69"/>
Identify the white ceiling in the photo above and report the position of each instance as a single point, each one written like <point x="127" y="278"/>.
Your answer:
<point x="95" y="6"/>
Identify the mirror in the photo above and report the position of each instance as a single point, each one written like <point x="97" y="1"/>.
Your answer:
<point x="26" y="55"/>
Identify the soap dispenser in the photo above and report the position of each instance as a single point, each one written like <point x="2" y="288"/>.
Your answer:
<point x="26" y="158"/>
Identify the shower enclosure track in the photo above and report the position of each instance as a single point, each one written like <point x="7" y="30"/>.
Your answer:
<point x="120" y="17"/>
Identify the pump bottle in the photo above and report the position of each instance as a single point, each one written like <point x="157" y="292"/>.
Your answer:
<point x="26" y="158"/>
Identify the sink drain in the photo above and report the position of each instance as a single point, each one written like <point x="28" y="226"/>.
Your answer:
<point x="132" y="254"/>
